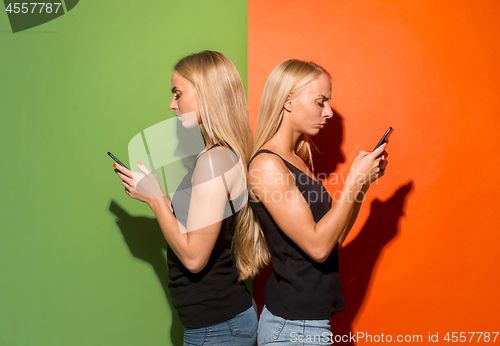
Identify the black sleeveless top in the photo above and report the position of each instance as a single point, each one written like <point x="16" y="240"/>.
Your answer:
<point x="213" y="295"/>
<point x="300" y="288"/>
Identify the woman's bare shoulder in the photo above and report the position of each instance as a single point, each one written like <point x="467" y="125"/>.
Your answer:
<point x="265" y="163"/>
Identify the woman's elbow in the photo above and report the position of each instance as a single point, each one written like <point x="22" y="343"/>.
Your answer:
<point x="319" y="255"/>
<point x="195" y="265"/>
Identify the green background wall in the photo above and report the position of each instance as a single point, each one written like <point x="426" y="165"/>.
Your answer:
<point x="82" y="263"/>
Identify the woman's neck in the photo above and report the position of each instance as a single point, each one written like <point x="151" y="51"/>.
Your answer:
<point x="208" y="144"/>
<point x="285" y="140"/>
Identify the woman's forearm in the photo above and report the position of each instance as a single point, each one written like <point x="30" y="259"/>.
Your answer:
<point x="332" y="227"/>
<point x="192" y="248"/>
<point x="169" y="226"/>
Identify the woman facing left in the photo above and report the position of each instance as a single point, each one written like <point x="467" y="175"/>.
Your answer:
<point x="199" y="222"/>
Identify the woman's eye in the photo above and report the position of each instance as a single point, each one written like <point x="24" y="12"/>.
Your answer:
<point x="321" y="104"/>
<point x="177" y="95"/>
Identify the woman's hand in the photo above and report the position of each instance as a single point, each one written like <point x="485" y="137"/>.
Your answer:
<point x="143" y="187"/>
<point x="368" y="167"/>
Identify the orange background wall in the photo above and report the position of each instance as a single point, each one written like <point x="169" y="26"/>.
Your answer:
<point x="426" y="256"/>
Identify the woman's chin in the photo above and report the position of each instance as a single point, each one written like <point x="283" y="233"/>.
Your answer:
<point x="188" y="120"/>
<point x="189" y="124"/>
<point x="314" y="131"/>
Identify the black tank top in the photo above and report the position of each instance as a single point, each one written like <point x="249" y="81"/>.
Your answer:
<point x="300" y="288"/>
<point x="213" y="295"/>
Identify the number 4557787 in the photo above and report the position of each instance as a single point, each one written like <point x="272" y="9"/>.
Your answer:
<point x="470" y="336"/>
<point x="25" y="7"/>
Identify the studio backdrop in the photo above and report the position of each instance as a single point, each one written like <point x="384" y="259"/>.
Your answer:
<point x="84" y="264"/>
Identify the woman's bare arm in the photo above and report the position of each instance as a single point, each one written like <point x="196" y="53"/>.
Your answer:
<point x="194" y="240"/>
<point x="273" y="184"/>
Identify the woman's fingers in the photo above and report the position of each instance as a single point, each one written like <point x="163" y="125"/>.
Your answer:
<point x="123" y="170"/>
<point x="362" y="154"/>
<point x="143" y="168"/>
<point x="130" y="181"/>
<point x="123" y="177"/>
<point x="126" y="176"/>
<point x="128" y="188"/>
<point x="370" y="166"/>
<point x="383" y="164"/>
<point x="377" y="152"/>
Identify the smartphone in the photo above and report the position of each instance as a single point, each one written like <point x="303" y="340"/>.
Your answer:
<point x="117" y="161"/>
<point x="385" y="138"/>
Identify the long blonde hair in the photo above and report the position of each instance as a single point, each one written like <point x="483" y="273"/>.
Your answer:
<point x="221" y="100"/>
<point x="288" y="78"/>
<point x="224" y="113"/>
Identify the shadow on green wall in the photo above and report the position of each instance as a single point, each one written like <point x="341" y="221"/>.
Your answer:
<point x="146" y="242"/>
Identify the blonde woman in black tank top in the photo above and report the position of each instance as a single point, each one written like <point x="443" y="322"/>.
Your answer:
<point x="199" y="222"/>
<point x="294" y="209"/>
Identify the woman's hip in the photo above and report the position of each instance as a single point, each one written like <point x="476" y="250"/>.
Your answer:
<point x="275" y="330"/>
<point x="241" y="330"/>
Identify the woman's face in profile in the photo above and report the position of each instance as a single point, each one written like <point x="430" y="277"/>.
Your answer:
<point x="184" y="101"/>
<point x="311" y="108"/>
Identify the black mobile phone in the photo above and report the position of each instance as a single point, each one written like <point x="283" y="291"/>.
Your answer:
<point x="117" y="161"/>
<point x="385" y="138"/>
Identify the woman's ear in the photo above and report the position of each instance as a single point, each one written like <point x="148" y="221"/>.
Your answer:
<point x="288" y="103"/>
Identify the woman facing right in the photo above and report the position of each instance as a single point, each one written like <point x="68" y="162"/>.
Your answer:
<point x="295" y="211"/>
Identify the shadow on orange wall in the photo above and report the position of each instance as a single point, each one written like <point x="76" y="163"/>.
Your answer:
<point x="328" y="142"/>
<point x="359" y="258"/>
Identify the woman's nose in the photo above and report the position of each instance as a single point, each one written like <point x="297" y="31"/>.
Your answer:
<point x="173" y="104"/>
<point x="328" y="112"/>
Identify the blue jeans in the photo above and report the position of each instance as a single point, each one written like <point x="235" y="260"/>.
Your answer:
<point x="241" y="330"/>
<point x="275" y="330"/>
